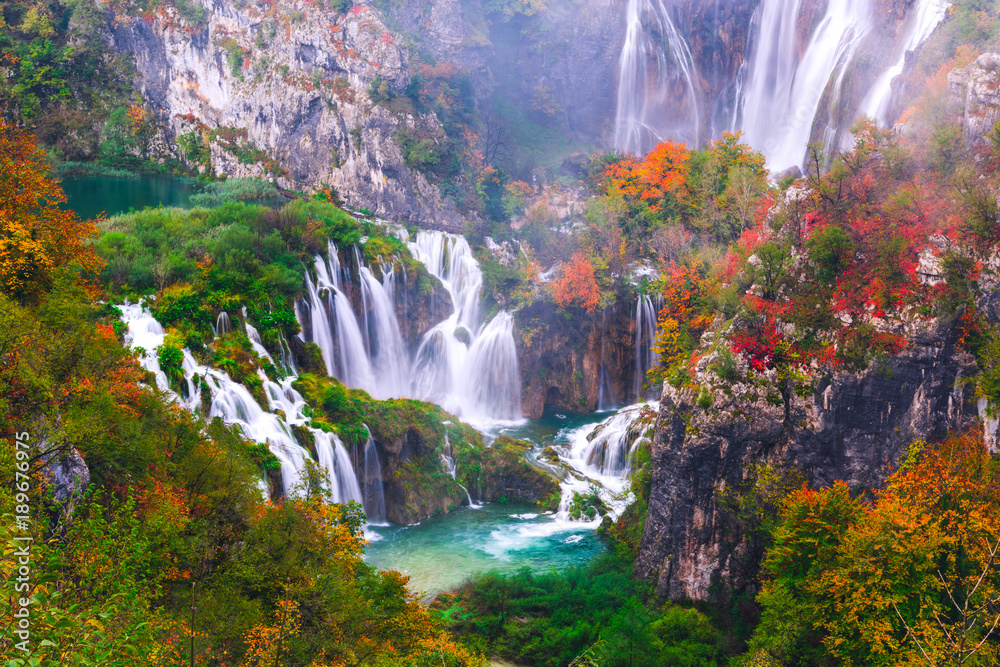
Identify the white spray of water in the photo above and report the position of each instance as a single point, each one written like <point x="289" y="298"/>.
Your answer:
<point x="783" y="91"/>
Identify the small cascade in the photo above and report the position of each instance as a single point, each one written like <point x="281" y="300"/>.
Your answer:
<point x="608" y="446"/>
<point x="926" y="16"/>
<point x="605" y="394"/>
<point x="655" y="72"/>
<point x="287" y="358"/>
<point x="645" y="334"/>
<point x="373" y="492"/>
<point x="335" y="460"/>
<point x="233" y="403"/>
<point x="255" y="341"/>
<point x="786" y="81"/>
<point x="222" y="324"/>
<point x="448" y="461"/>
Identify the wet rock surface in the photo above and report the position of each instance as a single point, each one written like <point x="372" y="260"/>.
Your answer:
<point x="975" y="95"/>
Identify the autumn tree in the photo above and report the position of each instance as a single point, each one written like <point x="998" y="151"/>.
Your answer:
<point x="912" y="577"/>
<point x="37" y="237"/>
<point x="576" y="285"/>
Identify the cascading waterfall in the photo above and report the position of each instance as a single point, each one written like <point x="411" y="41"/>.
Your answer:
<point x="783" y="90"/>
<point x="231" y="402"/>
<point x="655" y="71"/>
<point x="645" y="333"/>
<point x="492" y="378"/>
<point x="926" y="16"/>
<point x="333" y="457"/>
<point x="469" y="369"/>
<point x="389" y="362"/>
<point x="374" y="491"/>
<point x="610" y="444"/>
<point x="795" y="70"/>
<point x="334" y="327"/>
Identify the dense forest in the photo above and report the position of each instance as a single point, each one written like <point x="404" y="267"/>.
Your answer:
<point x="145" y="523"/>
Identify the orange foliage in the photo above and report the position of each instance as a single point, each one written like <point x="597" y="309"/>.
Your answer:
<point x="659" y="175"/>
<point x="576" y="285"/>
<point x="36" y="236"/>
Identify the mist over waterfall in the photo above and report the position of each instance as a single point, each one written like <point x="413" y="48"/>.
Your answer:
<point x="654" y="71"/>
<point x="806" y="72"/>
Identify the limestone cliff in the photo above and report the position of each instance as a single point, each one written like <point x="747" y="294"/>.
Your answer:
<point x="975" y="96"/>
<point x="853" y="427"/>
<point x="259" y="88"/>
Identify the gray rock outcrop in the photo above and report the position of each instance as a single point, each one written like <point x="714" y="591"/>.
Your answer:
<point x="975" y="95"/>
<point x="273" y="91"/>
<point x="854" y="427"/>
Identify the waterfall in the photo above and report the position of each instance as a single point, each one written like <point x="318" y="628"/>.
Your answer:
<point x="231" y="402"/>
<point x="927" y="15"/>
<point x="471" y="371"/>
<point x="645" y="334"/>
<point x="492" y="377"/>
<point x="335" y="460"/>
<point x="389" y="361"/>
<point x="448" y="461"/>
<point x="655" y="71"/>
<point x="605" y="394"/>
<point x="255" y="342"/>
<point x="783" y="90"/>
<point x="341" y="343"/>
<point x="222" y="324"/>
<point x="373" y="492"/>
<point x="608" y="446"/>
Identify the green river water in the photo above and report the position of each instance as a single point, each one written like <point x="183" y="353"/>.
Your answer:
<point x="89" y="196"/>
<point x="441" y="552"/>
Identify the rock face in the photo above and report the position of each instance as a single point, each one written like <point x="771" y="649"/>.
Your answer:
<point x="68" y="475"/>
<point x="975" y="96"/>
<point x="854" y="427"/>
<point x="556" y="67"/>
<point x="267" y="90"/>
<point x="560" y="357"/>
<point x="506" y="474"/>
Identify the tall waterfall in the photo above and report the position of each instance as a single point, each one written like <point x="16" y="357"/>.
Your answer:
<point x="468" y="368"/>
<point x="655" y="72"/>
<point x="792" y="86"/>
<point x="783" y="90"/>
<point x="924" y="18"/>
